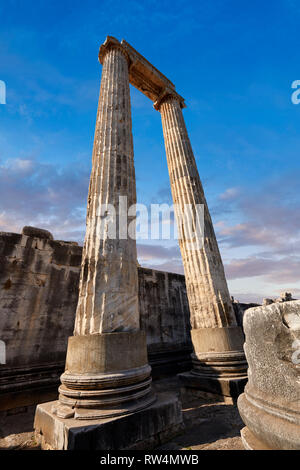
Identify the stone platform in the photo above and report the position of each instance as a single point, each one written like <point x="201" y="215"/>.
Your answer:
<point x="142" y="430"/>
<point x="223" y="387"/>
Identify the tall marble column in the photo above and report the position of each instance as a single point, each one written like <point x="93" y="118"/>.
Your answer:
<point x="108" y="291"/>
<point x="107" y="371"/>
<point x="219" y="364"/>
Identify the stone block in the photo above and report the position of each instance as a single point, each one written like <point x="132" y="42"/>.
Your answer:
<point x="219" y="365"/>
<point x="143" y="430"/>
<point x="218" y="386"/>
<point x="270" y="406"/>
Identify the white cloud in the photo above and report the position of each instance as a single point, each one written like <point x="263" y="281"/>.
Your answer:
<point x="229" y="194"/>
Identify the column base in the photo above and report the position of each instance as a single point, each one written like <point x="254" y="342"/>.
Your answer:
<point x="250" y="442"/>
<point x="219" y="363"/>
<point x="116" y="402"/>
<point x="142" y="430"/>
<point x="105" y="376"/>
<point x="270" y="423"/>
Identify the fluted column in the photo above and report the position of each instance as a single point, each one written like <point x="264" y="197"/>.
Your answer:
<point x="217" y="340"/>
<point x="107" y="371"/>
<point x="209" y="299"/>
<point x="108" y="291"/>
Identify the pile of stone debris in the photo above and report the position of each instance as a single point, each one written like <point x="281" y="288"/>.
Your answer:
<point x="284" y="297"/>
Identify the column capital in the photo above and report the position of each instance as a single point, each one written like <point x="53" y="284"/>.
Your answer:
<point x="109" y="44"/>
<point x="166" y="94"/>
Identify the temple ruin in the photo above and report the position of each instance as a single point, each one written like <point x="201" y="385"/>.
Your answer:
<point x="123" y="334"/>
<point x="107" y="372"/>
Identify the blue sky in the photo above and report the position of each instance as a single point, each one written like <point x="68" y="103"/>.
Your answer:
<point x="233" y="62"/>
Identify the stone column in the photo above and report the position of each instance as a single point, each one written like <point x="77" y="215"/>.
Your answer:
<point x="108" y="291"/>
<point x="219" y="364"/>
<point x="107" y="375"/>
<point x="107" y="371"/>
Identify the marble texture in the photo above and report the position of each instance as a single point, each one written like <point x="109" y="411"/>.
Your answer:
<point x="108" y="291"/>
<point x="270" y="406"/>
<point x="209" y="299"/>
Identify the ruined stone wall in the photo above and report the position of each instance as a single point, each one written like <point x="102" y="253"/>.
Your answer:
<point x="165" y="318"/>
<point x="39" y="280"/>
<point x="38" y="285"/>
<point x="38" y="297"/>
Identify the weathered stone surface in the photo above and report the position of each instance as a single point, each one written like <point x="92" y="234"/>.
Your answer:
<point x="209" y="300"/>
<point x="284" y="297"/>
<point x="47" y="309"/>
<point x="218" y="363"/>
<point x="106" y="375"/>
<point x="229" y="388"/>
<point x="165" y="317"/>
<point x="270" y="406"/>
<point x="209" y="425"/>
<point x="107" y="372"/>
<point x="143" y="430"/>
<point x="147" y="79"/>
<point x="250" y="442"/>
<point x="38" y="292"/>
<point x="267" y="301"/>
<point x="108" y="291"/>
<point x="37" y="232"/>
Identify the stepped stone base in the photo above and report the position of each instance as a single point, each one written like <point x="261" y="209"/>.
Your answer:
<point x="219" y="363"/>
<point x="218" y="386"/>
<point x="143" y="430"/>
